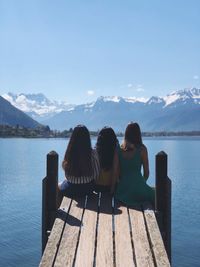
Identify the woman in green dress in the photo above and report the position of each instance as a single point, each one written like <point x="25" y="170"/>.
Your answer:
<point x="132" y="188"/>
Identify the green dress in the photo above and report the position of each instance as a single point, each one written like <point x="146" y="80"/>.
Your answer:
<point x="132" y="188"/>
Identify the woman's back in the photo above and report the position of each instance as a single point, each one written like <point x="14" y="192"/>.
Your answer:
<point x="130" y="161"/>
<point x="80" y="164"/>
<point x="132" y="188"/>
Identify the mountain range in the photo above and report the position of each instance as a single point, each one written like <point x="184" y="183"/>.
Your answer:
<point x="37" y="106"/>
<point x="178" y="111"/>
<point x="10" y="115"/>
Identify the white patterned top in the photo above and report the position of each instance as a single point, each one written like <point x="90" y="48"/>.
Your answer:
<point x="87" y="179"/>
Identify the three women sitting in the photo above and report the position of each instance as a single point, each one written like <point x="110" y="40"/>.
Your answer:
<point x="108" y="167"/>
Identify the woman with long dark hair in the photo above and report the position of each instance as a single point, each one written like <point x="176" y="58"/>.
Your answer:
<point x="132" y="188"/>
<point x="106" y="147"/>
<point x="80" y="164"/>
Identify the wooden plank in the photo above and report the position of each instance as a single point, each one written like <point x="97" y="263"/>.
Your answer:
<point x="56" y="232"/>
<point x="104" y="254"/>
<point x="157" y="245"/>
<point x="142" y="248"/>
<point x="123" y="247"/>
<point x="68" y="244"/>
<point x="86" y="246"/>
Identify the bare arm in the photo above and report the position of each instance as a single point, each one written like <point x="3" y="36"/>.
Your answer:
<point x="145" y="162"/>
<point x="115" y="172"/>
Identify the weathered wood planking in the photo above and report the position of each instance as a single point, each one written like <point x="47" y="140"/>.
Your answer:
<point x="56" y="233"/>
<point x="86" y="246"/>
<point x="160" y="255"/>
<point x="104" y="253"/>
<point x="140" y="241"/>
<point x="123" y="246"/>
<point x="67" y="248"/>
<point x="77" y="240"/>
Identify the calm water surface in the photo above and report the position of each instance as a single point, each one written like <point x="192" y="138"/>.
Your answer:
<point x="22" y="167"/>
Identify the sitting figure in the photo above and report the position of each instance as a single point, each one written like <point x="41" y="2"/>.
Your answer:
<point x="132" y="188"/>
<point x="106" y="147"/>
<point x="80" y="164"/>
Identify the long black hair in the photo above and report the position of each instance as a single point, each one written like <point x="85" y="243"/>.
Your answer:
<point x="106" y="145"/>
<point x="77" y="159"/>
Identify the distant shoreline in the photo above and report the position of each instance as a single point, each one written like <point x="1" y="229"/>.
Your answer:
<point x="45" y="132"/>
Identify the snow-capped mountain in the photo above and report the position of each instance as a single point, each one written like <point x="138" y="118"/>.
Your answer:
<point x="178" y="111"/>
<point x="10" y="115"/>
<point x="155" y="100"/>
<point x="191" y="96"/>
<point x="38" y="106"/>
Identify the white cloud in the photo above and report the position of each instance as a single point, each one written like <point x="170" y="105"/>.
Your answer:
<point x="195" y="77"/>
<point x="139" y="88"/>
<point x="90" y="92"/>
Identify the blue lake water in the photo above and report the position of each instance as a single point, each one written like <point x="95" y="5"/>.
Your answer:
<point x="23" y="165"/>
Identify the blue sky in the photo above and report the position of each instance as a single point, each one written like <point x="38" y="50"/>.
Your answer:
<point x="78" y="50"/>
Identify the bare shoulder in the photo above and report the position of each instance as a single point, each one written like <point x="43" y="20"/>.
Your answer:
<point x="143" y="149"/>
<point x="117" y="149"/>
<point x="116" y="154"/>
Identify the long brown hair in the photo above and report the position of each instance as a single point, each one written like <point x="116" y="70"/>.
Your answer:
<point x="133" y="136"/>
<point x="77" y="159"/>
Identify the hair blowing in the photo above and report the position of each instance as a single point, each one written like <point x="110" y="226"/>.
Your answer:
<point x="77" y="159"/>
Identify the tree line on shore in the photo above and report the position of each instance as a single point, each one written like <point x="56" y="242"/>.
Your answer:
<point x="45" y="132"/>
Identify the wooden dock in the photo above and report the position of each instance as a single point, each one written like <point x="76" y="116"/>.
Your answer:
<point x="97" y="231"/>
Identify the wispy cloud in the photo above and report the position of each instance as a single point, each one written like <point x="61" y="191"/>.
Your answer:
<point x="90" y="92"/>
<point x="195" y="77"/>
<point x="128" y="85"/>
<point x="139" y="88"/>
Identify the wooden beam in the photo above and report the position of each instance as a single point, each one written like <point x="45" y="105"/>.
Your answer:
<point x="123" y="244"/>
<point x="86" y="246"/>
<point x="49" y="196"/>
<point x="104" y="254"/>
<point x="142" y="248"/>
<point x="163" y="200"/>
<point x="56" y="234"/>
<point x="67" y="249"/>
<point x="155" y="238"/>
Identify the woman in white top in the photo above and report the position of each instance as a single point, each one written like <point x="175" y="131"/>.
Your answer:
<point x="81" y="164"/>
